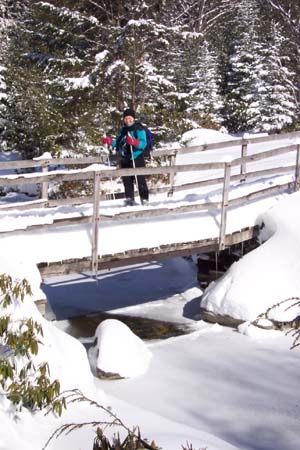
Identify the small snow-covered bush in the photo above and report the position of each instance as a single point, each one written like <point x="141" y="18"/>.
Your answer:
<point x="20" y="381"/>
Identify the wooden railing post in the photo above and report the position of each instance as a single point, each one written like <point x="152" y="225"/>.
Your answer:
<point x="225" y="197"/>
<point x="297" y="170"/>
<point x="45" y="159"/>
<point x="95" y="223"/>
<point x="172" y="176"/>
<point x="243" y="164"/>
<point x="45" y="184"/>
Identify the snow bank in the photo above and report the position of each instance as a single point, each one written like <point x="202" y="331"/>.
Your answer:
<point x="66" y="356"/>
<point x="203" y="136"/>
<point x="200" y="136"/>
<point x="266" y="276"/>
<point x="20" y="266"/>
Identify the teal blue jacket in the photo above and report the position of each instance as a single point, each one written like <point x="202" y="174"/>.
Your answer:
<point x="137" y="132"/>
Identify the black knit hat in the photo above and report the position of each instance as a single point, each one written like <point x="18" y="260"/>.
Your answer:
<point x="129" y="112"/>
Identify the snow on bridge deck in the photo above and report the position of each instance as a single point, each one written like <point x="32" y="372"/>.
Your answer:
<point x="73" y="242"/>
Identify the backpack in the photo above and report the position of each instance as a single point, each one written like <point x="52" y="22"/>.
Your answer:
<point x="150" y="139"/>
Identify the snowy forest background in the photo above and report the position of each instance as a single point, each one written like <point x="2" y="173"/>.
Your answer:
<point x="68" y="68"/>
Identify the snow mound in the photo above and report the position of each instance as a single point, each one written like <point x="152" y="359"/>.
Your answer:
<point x="260" y="279"/>
<point x="119" y="351"/>
<point x="20" y="266"/>
<point x="200" y="136"/>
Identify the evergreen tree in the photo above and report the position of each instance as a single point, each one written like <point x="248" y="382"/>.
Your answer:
<point x="275" y="89"/>
<point x="204" y="100"/>
<point x="93" y="59"/>
<point x="286" y="14"/>
<point x="134" y="71"/>
<point x="9" y="12"/>
<point x="240" y="110"/>
<point x="32" y="122"/>
<point x="3" y="26"/>
<point x="68" y="68"/>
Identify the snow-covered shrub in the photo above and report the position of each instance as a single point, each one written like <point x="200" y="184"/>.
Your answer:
<point x="20" y="381"/>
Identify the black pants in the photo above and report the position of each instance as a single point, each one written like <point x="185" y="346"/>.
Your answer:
<point x="128" y="182"/>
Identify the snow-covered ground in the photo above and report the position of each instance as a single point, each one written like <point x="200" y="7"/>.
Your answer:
<point x="213" y="383"/>
<point x="215" y="387"/>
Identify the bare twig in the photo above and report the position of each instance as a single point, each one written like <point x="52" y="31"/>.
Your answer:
<point x="76" y="396"/>
<point x="295" y="331"/>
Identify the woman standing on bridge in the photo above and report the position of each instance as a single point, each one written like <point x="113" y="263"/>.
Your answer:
<point x="131" y="141"/>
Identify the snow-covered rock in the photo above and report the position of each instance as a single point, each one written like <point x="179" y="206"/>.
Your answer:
<point x="118" y="352"/>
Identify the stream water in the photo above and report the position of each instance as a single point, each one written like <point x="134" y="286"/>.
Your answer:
<point x="84" y="327"/>
<point x="80" y="303"/>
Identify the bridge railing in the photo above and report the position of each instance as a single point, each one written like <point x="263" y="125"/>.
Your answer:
<point x="223" y="175"/>
<point x="168" y="154"/>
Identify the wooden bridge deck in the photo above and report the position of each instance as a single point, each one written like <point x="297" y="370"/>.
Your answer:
<point x="141" y="255"/>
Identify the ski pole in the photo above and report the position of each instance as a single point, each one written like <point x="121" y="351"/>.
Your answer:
<point x="133" y="165"/>
<point x="112" y="192"/>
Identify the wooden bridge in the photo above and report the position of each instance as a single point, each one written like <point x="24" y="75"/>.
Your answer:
<point x="102" y="218"/>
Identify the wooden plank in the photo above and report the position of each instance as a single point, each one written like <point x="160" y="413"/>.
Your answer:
<point x="36" y="204"/>
<point x="297" y="170"/>
<point x="266" y="172"/>
<point x="32" y="163"/>
<point x="77" y="175"/>
<point x="45" y="184"/>
<point x="26" y="164"/>
<point x="236" y="142"/>
<point x="126" y="258"/>
<point x="263" y="155"/>
<point x="71" y="201"/>
<point x="224" y="207"/>
<point x="259" y="194"/>
<point x="24" y="206"/>
<point x="248" y="175"/>
<point x="198" y="184"/>
<point x="172" y="176"/>
<point x="243" y="163"/>
<point x="240" y="236"/>
<point x="151" y="213"/>
<point x="51" y="176"/>
<point x="136" y="256"/>
<point x="95" y="222"/>
<point x="273" y="137"/>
